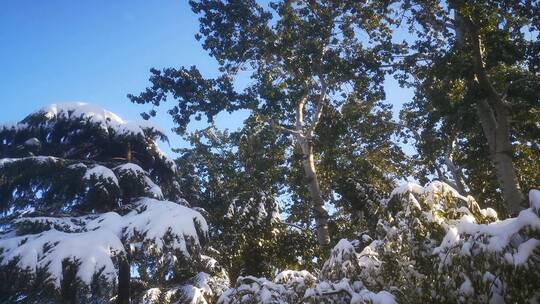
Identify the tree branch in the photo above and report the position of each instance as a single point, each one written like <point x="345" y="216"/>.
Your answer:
<point x="319" y="110"/>
<point x="455" y="170"/>
<point x="399" y="124"/>
<point x="300" y="112"/>
<point x="295" y="226"/>
<point x="287" y="130"/>
<point x="479" y="67"/>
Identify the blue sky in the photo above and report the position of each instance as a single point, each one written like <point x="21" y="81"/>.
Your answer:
<point x="97" y="52"/>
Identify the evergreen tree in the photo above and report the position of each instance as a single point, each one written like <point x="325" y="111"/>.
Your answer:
<point x="86" y="215"/>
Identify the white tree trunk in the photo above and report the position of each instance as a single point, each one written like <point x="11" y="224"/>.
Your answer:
<point x="321" y="215"/>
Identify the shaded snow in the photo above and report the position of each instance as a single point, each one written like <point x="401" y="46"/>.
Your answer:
<point x="37" y="159"/>
<point x="534" y="200"/>
<point x="101" y="172"/>
<point x="130" y="167"/>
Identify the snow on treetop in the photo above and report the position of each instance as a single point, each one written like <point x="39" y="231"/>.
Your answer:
<point x="431" y="189"/>
<point x="496" y="236"/>
<point x="96" y="114"/>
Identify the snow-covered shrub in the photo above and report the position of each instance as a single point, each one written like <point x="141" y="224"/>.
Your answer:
<point x="90" y="212"/>
<point x="431" y="245"/>
<point x="434" y="244"/>
<point x="336" y="284"/>
<point x="288" y="287"/>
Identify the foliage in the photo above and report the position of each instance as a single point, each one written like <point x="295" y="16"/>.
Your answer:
<point x="440" y="65"/>
<point x="432" y="245"/>
<point x="85" y="218"/>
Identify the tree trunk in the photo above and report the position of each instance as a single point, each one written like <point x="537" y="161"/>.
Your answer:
<point x="497" y="134"/>
<point x="321" y="215"/>
<point x="494" y="114"/>
<point x="68" y="288"/>
<point x="124" y="278"/>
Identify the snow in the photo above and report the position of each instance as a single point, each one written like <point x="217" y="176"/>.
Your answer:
<point x="524" y="251"/>
<point x="488" y="212"/>
<point x="405" y="188"/>
<point x="96" y="115"/>
<point x="93" y="250"/>
<point x="32" y="142"/>
<point x="500" y="232"/>
<point x="161" y="218"/>
<point x="37" y="159"/>
<point x="499" y="236"/>
<point x="130" y="167"/>
<point x="534" y="200"/>
<point x="194" y="293"/>
<point x="77" y="166"/>
<point x="95" y="240"/>
<point x="152" y="188"/>
<point x="101" y="172"/>
<point x="152" y="296"/>
<point x="382" y="297"/>
<point x="294" y="276"/>
<point x="466" y="287"/>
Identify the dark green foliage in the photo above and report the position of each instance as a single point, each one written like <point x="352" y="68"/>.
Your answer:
<point x="441" y="67"/>
<point x="52" y="156"/>
<point x="332" y="54"/>
<point x="69" y="165"/>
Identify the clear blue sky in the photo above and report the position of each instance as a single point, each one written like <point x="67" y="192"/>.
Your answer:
<point x="97" y="52"/>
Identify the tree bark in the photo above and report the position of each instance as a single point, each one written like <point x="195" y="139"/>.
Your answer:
<point x="494" y="114"/>
<point x="304" y="140"/>
<point x="68" y="288"/>
<point x="321" y="215"/>
<point x="124" y="278"/>
<point x="501" y="153"/>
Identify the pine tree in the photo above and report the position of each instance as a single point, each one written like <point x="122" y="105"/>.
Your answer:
<point x="91" y="212"/>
